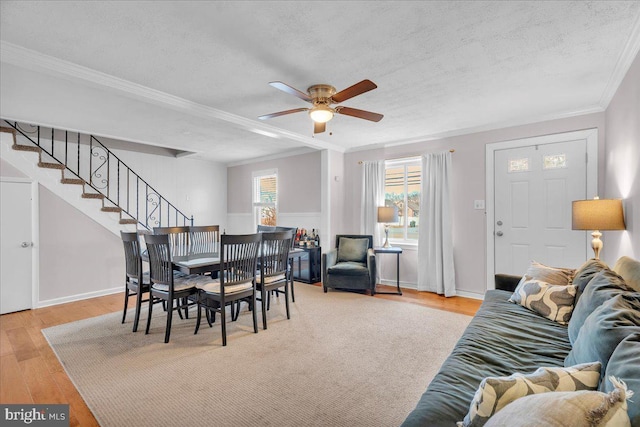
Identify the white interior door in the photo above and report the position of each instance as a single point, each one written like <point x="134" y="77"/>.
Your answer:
<point x="533" y="189"/>
<point x="16" y="246"/>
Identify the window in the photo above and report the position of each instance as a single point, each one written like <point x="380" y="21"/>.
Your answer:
<point x="265" y="197"/>
<point x="556" y="161"/>
<point x="402" y="189"/>
<point x="519" y="165"/>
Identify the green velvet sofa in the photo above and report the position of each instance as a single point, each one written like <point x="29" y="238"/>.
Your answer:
<point x="504" y="338"/>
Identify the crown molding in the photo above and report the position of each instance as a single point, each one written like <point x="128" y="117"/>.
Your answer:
<point x="36" y="61"/>
<point x="478" y="129"/>
<point x="628" y="55"/>
<point x="32" y="60"/>
<point x="288" y="153"/>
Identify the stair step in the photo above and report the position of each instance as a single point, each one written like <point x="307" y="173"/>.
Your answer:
<point x="128" y="221"/>
<point x="31" y="148"/>
<point x="9" y="130"/>
<point x="72" y="181"/>
<point x="92" y="196"/>
<point x="51" y="165"/>
<point x="111" y="209"/>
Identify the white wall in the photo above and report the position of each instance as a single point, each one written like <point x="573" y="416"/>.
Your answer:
<point x="336" y="196"/>
<point x="623" y="165"/>
<point x="79" y="258"/>
<point x="196" y="187"/>
<point x="299" y="192"/>
<point x="468" y="185"/>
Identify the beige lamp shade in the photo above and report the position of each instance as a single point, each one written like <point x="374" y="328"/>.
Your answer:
<point x="598" y="214"/>
<point x="387" y="214"/>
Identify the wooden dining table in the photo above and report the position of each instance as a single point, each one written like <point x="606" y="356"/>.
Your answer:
<point x="188" y="261"/>
<point x="197" y="263"/>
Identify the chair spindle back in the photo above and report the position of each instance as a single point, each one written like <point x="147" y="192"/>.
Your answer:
<point x="178" y="239"/>
<point x="239" y="259"/>
<point x="205" y="239"/>
<point x="160" y="266"/>
<point x="132" y="254"/>
<point x="274" y="258"/>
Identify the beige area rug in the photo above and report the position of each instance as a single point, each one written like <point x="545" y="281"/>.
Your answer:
<point x="344" y="359"/>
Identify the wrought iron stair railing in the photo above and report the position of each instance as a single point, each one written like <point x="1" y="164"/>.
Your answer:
<point x="84" y="160"/>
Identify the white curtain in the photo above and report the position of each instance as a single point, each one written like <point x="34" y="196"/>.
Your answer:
<point x="372" y="197"/>
<point x="436" y="271"/>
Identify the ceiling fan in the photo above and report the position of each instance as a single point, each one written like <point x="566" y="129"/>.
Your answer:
<point x="322" y="96"/>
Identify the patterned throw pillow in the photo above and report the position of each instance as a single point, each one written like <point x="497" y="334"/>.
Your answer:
<point x="568" y="409"/>
<point x="553" y="275"/>
<point x="495" y="393"/>
<point x="553" y="302"/>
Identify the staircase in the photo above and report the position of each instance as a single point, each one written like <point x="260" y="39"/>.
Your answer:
<point x="84" y="161"/>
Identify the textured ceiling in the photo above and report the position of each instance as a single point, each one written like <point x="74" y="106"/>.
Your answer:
<point x="194" y="75"/>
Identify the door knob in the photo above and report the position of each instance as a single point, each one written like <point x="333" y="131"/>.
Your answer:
<point x="499" y="233"/>
<point x="26" y="244"/>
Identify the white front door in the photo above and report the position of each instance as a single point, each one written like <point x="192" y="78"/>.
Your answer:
<point x="531" y="183"/>
<point x="16" y="247"/>
<point x="533" y="190"/>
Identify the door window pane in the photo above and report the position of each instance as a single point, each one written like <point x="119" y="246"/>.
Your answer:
<point x="555" y="161"/>
<point x="519" y="165"/>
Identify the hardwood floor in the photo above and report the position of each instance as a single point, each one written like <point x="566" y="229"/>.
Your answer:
<point x="31" y="373"/>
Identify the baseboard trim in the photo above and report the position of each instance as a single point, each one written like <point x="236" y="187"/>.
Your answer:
<point x="78" y="297"/>
<point x="394" y="283"/>
<point x="471" y="295"/>
<point x="412" y="286"/>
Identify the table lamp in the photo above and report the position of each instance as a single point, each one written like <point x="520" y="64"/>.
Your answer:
<point x="597" y="214"/>
<point x="386" y="215"/>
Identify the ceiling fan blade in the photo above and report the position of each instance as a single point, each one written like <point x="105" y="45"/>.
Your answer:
<point x="290" y="90"/>
<point x="355" y="90"/>
<point x="282" y="113"/>
<point x="319" y="127"/>
<point x="361" y="114"/>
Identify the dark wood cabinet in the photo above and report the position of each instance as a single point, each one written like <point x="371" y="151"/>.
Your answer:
<point x="307" y="266"/>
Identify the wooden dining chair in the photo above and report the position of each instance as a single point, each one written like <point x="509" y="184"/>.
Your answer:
<point x="179" y="238"/>
<point x="166" y="286"/>
<point x="136" y="281"/>
<point x="274" y="266"/>
<point x="237" y="280"/>
<point x="180" y="245"/>
<point x="204" y="239"/>
<point x="294" y="231"/>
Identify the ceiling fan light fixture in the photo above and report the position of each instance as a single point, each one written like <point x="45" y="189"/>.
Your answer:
<point x="321" y="113"/>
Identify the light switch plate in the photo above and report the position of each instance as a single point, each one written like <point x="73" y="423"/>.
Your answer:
<point x="478" y="204"/>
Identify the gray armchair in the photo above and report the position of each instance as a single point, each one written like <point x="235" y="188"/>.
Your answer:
<point x="352" y="265"/>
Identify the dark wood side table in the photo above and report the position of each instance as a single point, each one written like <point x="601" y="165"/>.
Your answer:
<point x="391" y="250"/>
<point x="308" y="269"/>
